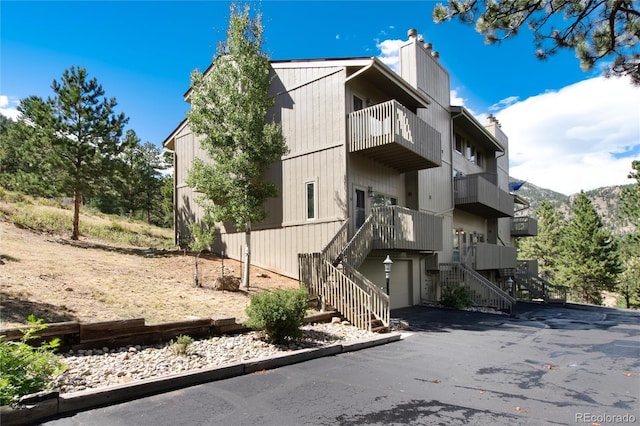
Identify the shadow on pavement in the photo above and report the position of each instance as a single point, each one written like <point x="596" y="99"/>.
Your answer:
<point x="537" y="315"/>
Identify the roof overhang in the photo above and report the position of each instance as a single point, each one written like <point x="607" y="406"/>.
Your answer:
<point x="376" y="73"/>
<point x="464" y="120"/>
<point x="170" y="142"/>
<point x="518" y="199"/>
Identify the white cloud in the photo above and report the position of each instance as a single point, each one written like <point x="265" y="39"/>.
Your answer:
<point x="504" y="103"/>
<point x="455" y="98"/>
<point x="389" y="53"/>
<point x="581" y="137"/>
<point x="8" y="107"/>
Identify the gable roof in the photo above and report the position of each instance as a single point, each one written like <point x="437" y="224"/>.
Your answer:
<point x="464" y="120"/>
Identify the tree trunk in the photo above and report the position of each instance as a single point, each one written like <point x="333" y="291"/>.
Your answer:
<point x="247" y="255"/>
<point x="196" y="280"/>
<point x="76" y="215"/>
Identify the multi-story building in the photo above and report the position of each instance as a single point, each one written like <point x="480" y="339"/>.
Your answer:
<point x="379" y="164"/>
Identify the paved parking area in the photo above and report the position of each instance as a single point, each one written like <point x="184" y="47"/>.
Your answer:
<point x="542" y="365"/>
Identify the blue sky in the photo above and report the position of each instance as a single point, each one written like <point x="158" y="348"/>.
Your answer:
<point x="568" y="130"/>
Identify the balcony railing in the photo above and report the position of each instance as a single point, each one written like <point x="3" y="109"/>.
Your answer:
<point x="480" y="194"/>
<point x="492" y="256"/>
<point x="393" y="135"/>
<point x="524" y="227"/>
<point x="401" y="228"/>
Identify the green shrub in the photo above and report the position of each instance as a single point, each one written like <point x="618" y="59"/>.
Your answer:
<point x="456" y="297"/>
<point x="26" y="369"/>
<point x="280" y="314"/>
<point x="181" y="345"/>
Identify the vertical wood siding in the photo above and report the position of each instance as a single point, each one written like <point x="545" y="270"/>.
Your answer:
<point x="277" y="249"/>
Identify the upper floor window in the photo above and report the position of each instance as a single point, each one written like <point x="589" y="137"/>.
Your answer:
<point x="357" y="103"/>
<point x="469" y="150"/>
<point x="459" y="144"/>
<point x="311" y="200"/>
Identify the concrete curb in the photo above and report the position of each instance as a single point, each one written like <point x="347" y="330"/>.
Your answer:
<point x="69" y="403"/>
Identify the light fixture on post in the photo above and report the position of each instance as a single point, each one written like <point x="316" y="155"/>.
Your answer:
<point x="387" y="270"/>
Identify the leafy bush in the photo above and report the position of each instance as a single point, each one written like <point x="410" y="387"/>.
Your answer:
<point x="456" y="297"/>
<point x="181" y="345"/>
<point x="279" y="314"/>
<point x="26" y="369"/>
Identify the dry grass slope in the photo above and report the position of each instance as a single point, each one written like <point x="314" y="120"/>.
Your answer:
<point x="58" y="279"/>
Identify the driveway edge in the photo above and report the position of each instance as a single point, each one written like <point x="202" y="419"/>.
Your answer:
<point x="57" y="405"/>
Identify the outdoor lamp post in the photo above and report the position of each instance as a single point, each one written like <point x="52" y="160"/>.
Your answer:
<point x="387" y="270"/>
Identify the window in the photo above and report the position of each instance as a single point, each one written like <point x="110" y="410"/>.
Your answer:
<point x="381" y="200"/>
<point x="359" y="207"/>
<point x="311" y="204"/>
<point x="357" y="103"/>
<point x="459" y="144"/>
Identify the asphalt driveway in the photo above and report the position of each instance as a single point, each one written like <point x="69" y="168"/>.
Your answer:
<point x="542" y="365"/>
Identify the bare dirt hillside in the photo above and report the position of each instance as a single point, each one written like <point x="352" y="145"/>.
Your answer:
<point x="58" y="280"/>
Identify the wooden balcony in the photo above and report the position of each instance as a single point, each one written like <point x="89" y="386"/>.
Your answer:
<point x="393" y="135"/>
<point x="479" y="194"/>
<point x="524" y="227"/>
<point x="400" y="228"/>
<point x="491" y="256"/>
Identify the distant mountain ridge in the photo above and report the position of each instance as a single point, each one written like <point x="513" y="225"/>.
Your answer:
<point x="606" y="201"/>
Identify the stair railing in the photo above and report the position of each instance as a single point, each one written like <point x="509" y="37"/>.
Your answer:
<point x="333" y="249"/>
<point x="360" y="245"/>
<point x="483" y="292"/>
<point x="353" y="302"/>
<point x="540" y="287"/>
<point x="379" y="299"/>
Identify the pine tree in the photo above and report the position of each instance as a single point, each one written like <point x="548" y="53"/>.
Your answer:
<point x="598" y="31"/>
<point x="546" y="246"/>
<point x="141" y="177"/>
<point x="229" y="106"/>
<point x="27" y="161"/>
<point x="630" y="205"/>
<point x="590" y="258"/>
<point x="85" y="134"/>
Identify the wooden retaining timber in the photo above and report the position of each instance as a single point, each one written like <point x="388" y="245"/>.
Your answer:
<point x="77" y="335"/>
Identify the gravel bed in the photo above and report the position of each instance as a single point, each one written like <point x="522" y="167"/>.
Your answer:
<point x="89" y="369"/>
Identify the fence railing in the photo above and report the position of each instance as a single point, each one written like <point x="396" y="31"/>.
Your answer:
<point x="539" y="288"/>
<point x="524" y="226"/>
<point x="392" y="123"/>
<point x="483" y="292"/>
<point x="358" y="248"/>
<point x="334" y="288"/>
<point x="493" y="256"/>
<point x="481" y="189"/>
<point x="406" y="229"/>
<point x="334" y="247"/>
<point x="379" y="299"/>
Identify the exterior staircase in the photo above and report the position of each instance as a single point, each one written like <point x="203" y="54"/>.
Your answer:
<point x="484" y="293"/>
<point x="333" y="278"/>
<point x="532" y="287"/>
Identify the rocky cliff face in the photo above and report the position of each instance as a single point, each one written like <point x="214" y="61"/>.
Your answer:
<point x="606" y="201"/>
